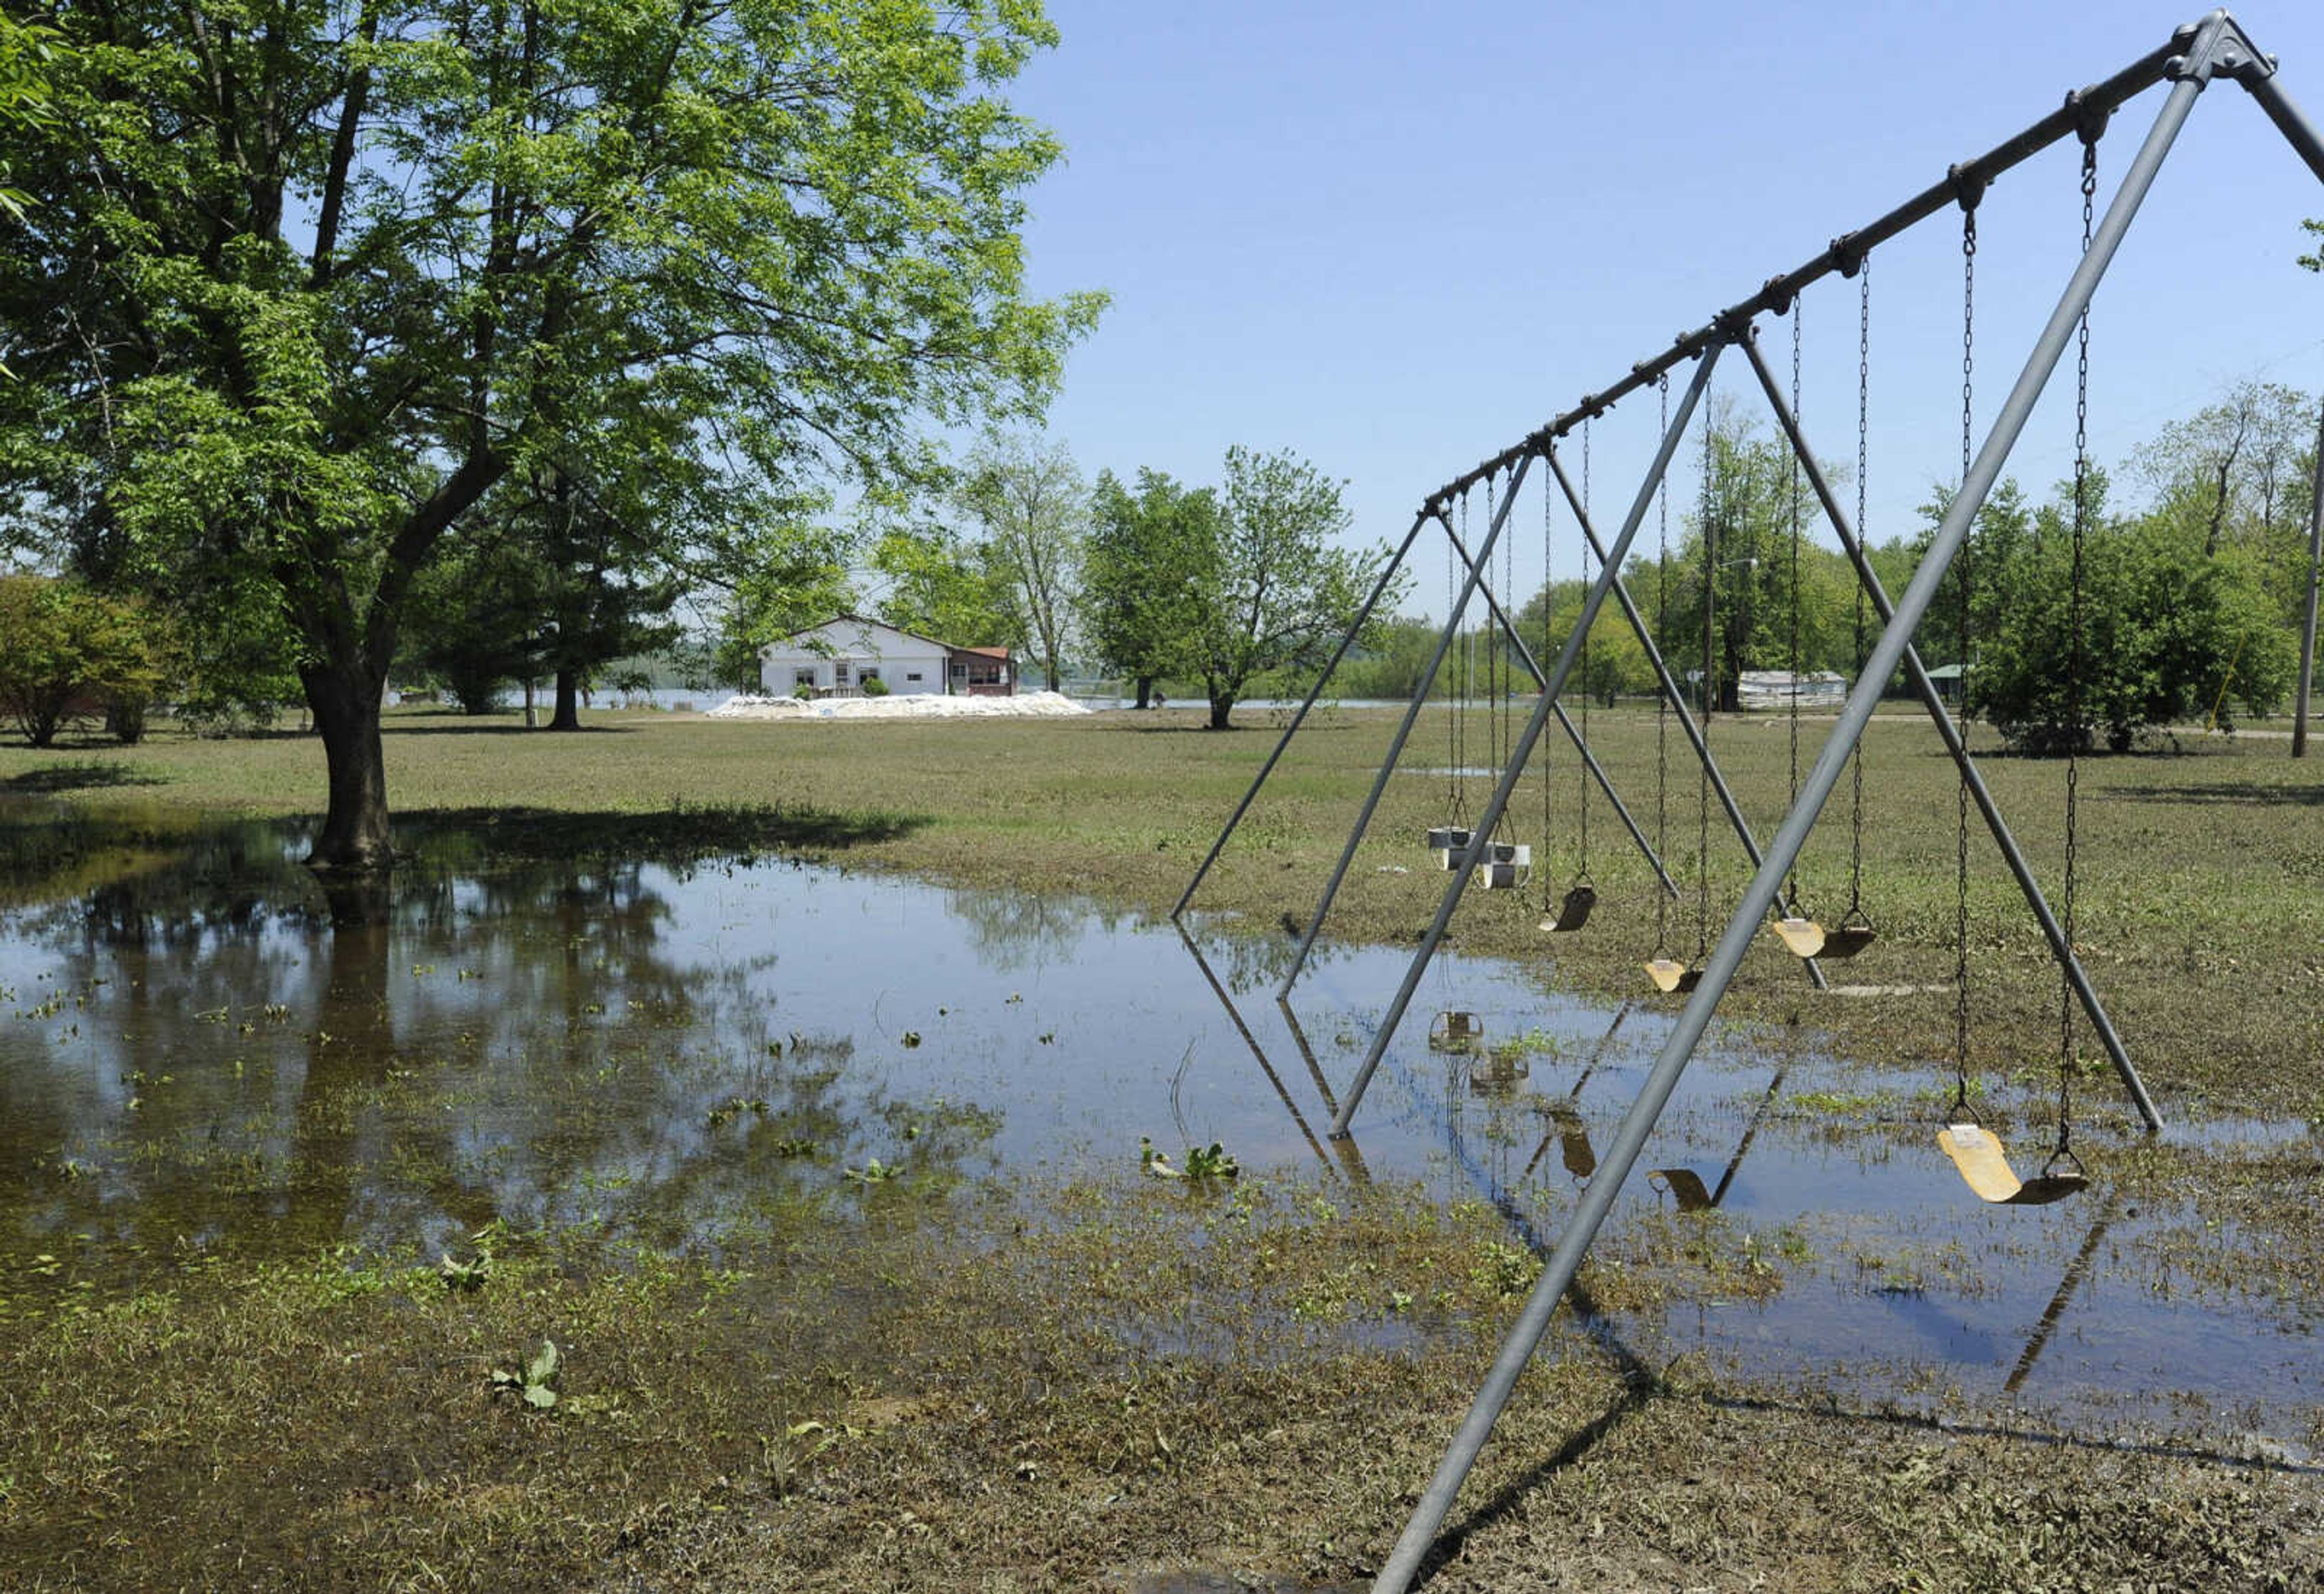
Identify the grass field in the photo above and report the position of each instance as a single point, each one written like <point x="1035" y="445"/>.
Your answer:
<point x="865" y="1390"/>
<point x="2201" y="905"/>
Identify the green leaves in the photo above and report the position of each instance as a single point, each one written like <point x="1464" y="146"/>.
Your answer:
<point x="1272" y="590"/>
<point x="535" y="1381"/>
<point x="72" y="652"/>
<point x="335" y="274"/>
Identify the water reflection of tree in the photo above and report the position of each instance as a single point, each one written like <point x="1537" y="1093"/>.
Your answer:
<point x="1021" y="929"/>
<point x="1248" y="963"/>
<point x="313" y="1059"/>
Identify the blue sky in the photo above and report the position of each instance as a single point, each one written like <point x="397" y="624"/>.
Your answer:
<point x="1396" y="238"/>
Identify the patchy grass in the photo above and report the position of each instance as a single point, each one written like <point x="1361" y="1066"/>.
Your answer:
<point x="859" y="1383"/>
<point x="1253" y="1380"/>
<point x="2199" y="874"/>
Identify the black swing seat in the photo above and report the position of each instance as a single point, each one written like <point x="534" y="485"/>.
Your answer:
<point x="1983" y="1166"/>
<point x="1855" y="933"/>
<point x="1448" y="842"/>
<point x="1683" y="1185"/>
<point x="1573" y="1147"/>
<point x="1504" y="865"/>
<point x="1497" y="1073"/>
<point x="1454" y="1032"/>
<point x="1573" y="913"/>
<point x="1673" y="977"/>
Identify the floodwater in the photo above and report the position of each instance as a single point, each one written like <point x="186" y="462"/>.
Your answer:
<point x="200" y="1047"/>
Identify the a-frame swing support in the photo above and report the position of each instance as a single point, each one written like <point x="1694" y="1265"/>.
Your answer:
<point x="2214" y="47"/>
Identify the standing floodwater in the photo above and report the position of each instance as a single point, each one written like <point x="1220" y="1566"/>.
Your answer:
<point x="201" y="1046"/>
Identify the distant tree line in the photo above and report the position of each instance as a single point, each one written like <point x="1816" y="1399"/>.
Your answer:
<point x="1169" y="588"/>
<point x="2189" y="611"/>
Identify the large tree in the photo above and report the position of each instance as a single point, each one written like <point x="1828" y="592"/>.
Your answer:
<point x="301" y="282"/>
<point x="1147" y="550"/>
<point x="941" y="586"/>
<point x="1027" y="499"/>
<point x="1274" y="592"/>
<point x="2169" y="629"/>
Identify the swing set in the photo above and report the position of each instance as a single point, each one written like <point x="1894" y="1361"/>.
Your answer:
<point x="2215" y="47"/>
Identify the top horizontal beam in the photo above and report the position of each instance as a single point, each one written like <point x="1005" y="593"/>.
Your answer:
<point x="2083" y="115"/>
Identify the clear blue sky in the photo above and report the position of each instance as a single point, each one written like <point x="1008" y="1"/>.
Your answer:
<point x="1396" y="238"/>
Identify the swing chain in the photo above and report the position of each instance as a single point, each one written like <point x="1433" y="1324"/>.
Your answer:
<point x="1455" y="714"/>
<point x="2075" y="664"/>
<point x="1491" y="639"/>
<point x="1548" y="528"/>
<point x="1710" y="702"/>
<point x="1863" y="449"/>
<point x="1963" y="568"/>
<point x="1791" y="886"/>
<point x="1582" y="765"/>
<point x="1661" y="699"/>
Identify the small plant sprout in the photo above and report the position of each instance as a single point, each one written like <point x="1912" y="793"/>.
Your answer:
<point x="1204" y="1162"/>
<point x="1210" y="1161"/>
<point x="536" y="1380"/>
<point x="875" y="1171"/>
<point x="466" y="1277"/>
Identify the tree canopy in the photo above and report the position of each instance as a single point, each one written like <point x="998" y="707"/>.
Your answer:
<point x="296" y="286"/>
<point x="1140" y="582"/>
<point x="1272" y="592"/>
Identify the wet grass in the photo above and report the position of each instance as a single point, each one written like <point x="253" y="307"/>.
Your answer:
<point x="1251" y="1380"/>
<point x="2199" y="874"/>
<point x="851" y="1383"/>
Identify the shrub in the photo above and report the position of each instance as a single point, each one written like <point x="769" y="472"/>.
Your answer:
<point x="73" y="654"/>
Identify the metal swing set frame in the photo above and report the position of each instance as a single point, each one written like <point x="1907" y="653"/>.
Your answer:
<point x="2196" y="54"/>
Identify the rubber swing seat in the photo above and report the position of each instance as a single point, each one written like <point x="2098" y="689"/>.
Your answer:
<point x="1670" y="975"/>
<point x="1682" y="1184"/>
<point x="1983" y="1166"/>
<point x="1802" y="938"/>
<point x="1855" y="933"/>
<point x="1573" y="913"/>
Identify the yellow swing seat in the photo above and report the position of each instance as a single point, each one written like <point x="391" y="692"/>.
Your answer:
<point x="1671" y="976"/>
<point x="1984" y="1165"/>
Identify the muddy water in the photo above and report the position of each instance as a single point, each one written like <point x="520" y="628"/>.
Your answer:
<point x="207" y="1050"/>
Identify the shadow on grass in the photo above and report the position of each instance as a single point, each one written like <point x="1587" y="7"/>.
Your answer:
<point x="88" y="775"/>
<point x="2228" y="793"/>
<point x="451" y="722"/>
<point x="670" y="835"/>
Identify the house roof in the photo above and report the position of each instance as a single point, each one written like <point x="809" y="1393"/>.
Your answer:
<point x="851" y="617"/>
<point x="990" y="652"/>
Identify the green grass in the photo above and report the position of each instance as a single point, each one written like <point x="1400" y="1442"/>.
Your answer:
<point x="851" y="1389"/>
<point x="2199" y="911"/>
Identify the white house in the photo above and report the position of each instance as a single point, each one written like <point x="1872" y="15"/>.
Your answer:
<point x="838" y="657"/>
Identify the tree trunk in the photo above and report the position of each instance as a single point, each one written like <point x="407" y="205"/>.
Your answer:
<point x="1146" y="691"/>
<point x="568" y="701"/>
<point x="345" y="697"/>
<point x="1220" y="708"/>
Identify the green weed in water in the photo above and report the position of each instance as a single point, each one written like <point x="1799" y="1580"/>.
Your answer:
<point x="536" y="1380"/>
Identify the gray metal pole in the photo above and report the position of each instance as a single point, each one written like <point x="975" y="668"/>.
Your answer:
<point x="2059" y="948"/>
<point x="2256" y="73"/>
<point x="1677" y="699"/>
<point x="1524" y="750"/>
<point x="1888" y="653"/>
<point x="1258" y="1052"/>
<point x="1404" y="730"/>
<point x="1566" y="721"/>
<point x="2307" y="624"/>
<point x="1346" y="642"/>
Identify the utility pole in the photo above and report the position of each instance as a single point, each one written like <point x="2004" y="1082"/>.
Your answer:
<point x="2315" y="578"/>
